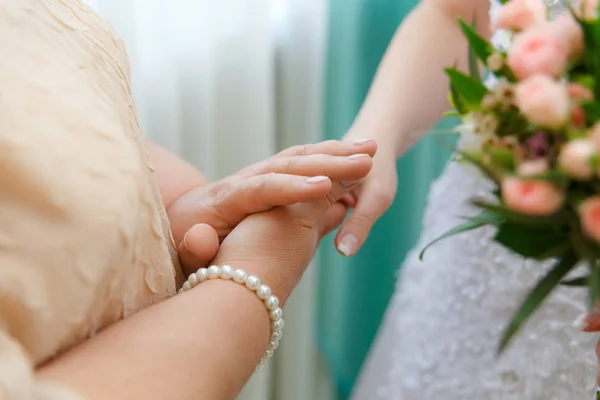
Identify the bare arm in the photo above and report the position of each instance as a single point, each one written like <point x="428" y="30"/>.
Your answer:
<point x="202" y="344"/>
<point x="407" y="97"/>
<point x="409" y="93"/>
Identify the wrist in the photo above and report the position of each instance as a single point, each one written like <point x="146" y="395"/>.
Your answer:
<point x="269" y="272"/>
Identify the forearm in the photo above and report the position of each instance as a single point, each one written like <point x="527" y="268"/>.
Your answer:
<point x="204" y="344"/>
<point x="174" y="176"/>
<point x="409" y="93"/>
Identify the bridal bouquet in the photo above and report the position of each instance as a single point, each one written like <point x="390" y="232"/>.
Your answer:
<point x="536" y="135"/>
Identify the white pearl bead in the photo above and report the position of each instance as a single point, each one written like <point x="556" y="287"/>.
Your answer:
<point x="263" y="292"/>
<point x="277" y="325"/>
<point x="213" y="272"/>
<point x="201" y="274"/>
<point x="268" y="354"/>
<point x="180" y="291"/>
<point x="186" y="285"/>
<point x="276" y="336"/>
<point x="240" y="276"/>
<point x="226" y="272"/>
<point x="193" y="280"/>
<point x="252" y="283"/>
<point x="272" y="302"/>
<point x="273" y="345"/>
<point x="276" y="314"/>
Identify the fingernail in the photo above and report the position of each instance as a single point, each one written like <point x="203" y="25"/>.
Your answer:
<point x="347" y="245"/>
<point x="185" y="241"/>
<point x="317" y="179"/>
<point x="360" y="142"/>
<point x="347" y="184"/>
<point x="581" y="322"/>
<point x="357" y="156"/>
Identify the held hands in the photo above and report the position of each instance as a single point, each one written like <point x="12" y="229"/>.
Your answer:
<point x="204" y="216"/>
<point x="277" y="245"/>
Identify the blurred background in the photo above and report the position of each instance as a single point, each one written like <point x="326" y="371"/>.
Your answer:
<point x="227" y="83"/>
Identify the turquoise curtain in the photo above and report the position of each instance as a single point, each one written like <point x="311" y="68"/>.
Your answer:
<point x="354" y="292"/>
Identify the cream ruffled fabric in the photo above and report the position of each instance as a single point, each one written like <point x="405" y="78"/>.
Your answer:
<point x="84" y="237"/>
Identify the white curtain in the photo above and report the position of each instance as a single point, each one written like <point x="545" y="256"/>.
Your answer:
<point x="226" y="83"/>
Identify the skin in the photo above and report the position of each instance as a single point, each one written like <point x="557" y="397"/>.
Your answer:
<point x="202" y="214"/>
<point x="393" y="115"/>
<point x="187" y="349"/>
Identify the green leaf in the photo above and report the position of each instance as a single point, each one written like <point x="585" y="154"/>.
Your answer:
<point x="591" y="55"/>
<point x="532" y="241"/>
<point x="594" y="282"/>
<point x="537" y="296"/>
<point x="577" y="282"/>
<point x="457" y="100"/>
<point x="486" y="217"/>
<point x="469" y="89"/>
<point x="560" y="219"/>
<point x="502" y="158"/>
<point x="488" y="172"/>
<point x="592" y="112"/>
<point x="478" y="47"/>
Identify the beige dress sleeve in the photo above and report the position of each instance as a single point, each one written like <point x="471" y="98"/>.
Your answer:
<point x="84" y="238"/>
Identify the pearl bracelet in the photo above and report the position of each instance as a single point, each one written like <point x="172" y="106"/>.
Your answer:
<point x="253" y="284"/>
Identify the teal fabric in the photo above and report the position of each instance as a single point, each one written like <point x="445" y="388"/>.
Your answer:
<point x="354" y="293"/>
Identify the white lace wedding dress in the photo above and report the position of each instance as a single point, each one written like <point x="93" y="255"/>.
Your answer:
<point x="439" y="337"/>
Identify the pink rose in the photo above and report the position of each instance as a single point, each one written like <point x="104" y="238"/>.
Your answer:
<point x="543" y="101"/>
<point x="517" y="15"/>
<point x="572" y="32"/>
<point x="579" y="92"/>
<point x="587" y="9"/>
<point x="531" y="197"/>
<point x="541" y="50"/>
<point x="578" y="117"/>
<point x="589" y="211"/>
<point x="594" y="135"/>
<point x="576" y="159"/>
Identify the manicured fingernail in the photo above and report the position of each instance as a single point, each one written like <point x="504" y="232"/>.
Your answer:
<point x="360" y="142"/>
<point x="358" y="156"/>
<point x="347" y="184"/>
<point x="347" y="245"/>
<point x="581" y="322"/>
<point x="317" y="179"/>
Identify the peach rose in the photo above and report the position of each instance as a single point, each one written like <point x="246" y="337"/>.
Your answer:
<point x="579" y="92"/>
<point x="517" y="15"/>
<point x="541" y="50"/>
<point x="589" y="212"/>
<point x="576" y="159"/>
<point x="572" y="32"/>
<point x="544" y="101"/>
<point x="578" y="117"/>
<point x="531" y="197"/>
<point x="594" y="135"/>
<point x="587" y="9"/>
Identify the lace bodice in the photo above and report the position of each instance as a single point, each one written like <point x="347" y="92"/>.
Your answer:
<point x="441" y="330"/>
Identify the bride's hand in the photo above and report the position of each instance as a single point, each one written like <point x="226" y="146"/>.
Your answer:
<point x="204" y="216"/>
<point x="373" y="198"/>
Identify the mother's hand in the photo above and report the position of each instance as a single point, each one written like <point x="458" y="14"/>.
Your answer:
<point x="204" y="216"/>
<point x="277" y="245"/>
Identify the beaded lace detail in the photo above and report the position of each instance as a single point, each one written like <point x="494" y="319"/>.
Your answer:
<point x="440" y="334"/>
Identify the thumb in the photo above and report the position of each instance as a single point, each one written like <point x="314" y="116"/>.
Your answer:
<point x="199" y="246"/>
<point x="355" y="230"/>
